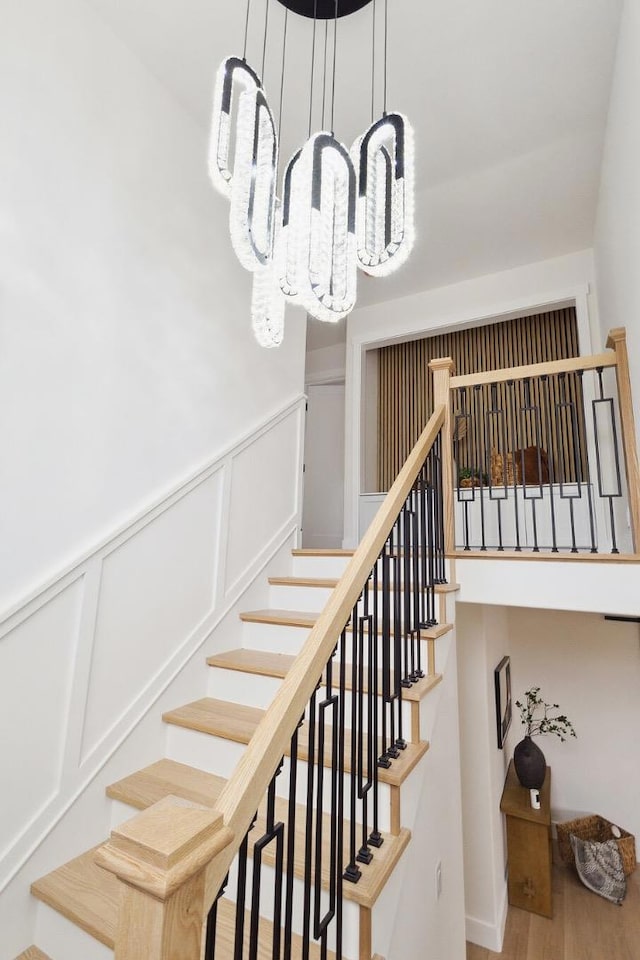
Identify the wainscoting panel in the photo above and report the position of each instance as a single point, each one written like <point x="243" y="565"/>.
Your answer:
<point x="83" y="660"/>
<point x="36" y="664"/>
<point x="260" y="503"/>
<point x="156" y="587"/>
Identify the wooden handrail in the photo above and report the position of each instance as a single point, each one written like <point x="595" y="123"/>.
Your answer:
<point x="570" y="365"/>
<point x="245" y="789"/>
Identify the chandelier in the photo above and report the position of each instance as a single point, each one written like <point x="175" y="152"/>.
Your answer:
<point x="338" y="209"/>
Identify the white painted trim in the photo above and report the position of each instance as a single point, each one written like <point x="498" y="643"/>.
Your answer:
<point x="488" y="935"/>
<point x="336" y="375"/>
<point x="358" y="344"/>
<point x="19" y="610"/>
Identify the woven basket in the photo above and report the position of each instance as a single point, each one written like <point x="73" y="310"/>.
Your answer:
<point x="598" y="829"/>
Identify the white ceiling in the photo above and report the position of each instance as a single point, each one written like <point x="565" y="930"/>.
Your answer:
<point x="508" y="99"/>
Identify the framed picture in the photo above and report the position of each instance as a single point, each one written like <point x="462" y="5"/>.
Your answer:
<point x="502" y="679"/>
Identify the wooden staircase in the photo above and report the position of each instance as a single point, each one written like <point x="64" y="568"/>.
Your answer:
<point x="204" y="740"/>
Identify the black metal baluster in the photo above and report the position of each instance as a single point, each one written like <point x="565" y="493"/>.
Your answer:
<point x="308" y="839"/>
<point x="442" y="571"/>
<point x="330" y="704"/>
<point x="375" y="838"/>
<point x="273" y="831"/>
<point x="241" y="896"/>
<point x="383" y="759"/>
<point x="212" y="923"/>
<point x="571" y="469"/>
<point x="353" y="872"/>
<point x="603" y="401"/>
<point x="487" y="461"/>
<point x="551" y="460"/>
<point x="511" y="387"/>
<point x="291" y="841"/>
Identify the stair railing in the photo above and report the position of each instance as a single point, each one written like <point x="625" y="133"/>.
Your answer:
<point x="340" y="709"/>
<point x="538" y="455"/>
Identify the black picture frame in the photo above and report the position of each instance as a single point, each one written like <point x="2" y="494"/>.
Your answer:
<point x="502" y="682"/>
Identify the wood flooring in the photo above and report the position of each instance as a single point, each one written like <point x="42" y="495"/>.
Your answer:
<point x="584" y="926"/>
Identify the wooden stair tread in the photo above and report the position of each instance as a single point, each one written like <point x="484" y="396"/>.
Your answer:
<point x="164" y="778"/>
<point x="306" y="618"/>
<point x="147" y="786"/>
<point x="329" y="583"/>
<point x="417" y="691"/>
<point x="321" y="552"/>
<point x="283" y="618"/>
<point x="33" y="953"/>
<point x="225" y="936"/>
<point x="260" y="662"/>
<point x="85" y="894"/>
<point x="238" y="723"/>
<point x="268" y="664"/>
<point x="232" y="721"/>
<point x="326" y="583"/>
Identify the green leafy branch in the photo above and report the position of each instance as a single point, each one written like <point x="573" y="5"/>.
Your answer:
<point x="536" y="725"/>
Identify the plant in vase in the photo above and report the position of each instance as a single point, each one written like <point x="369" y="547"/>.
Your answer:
<point x="538" y="719"/>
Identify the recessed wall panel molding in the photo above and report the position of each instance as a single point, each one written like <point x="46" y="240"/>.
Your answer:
<point x="156" y="588"/>
<point x="85" y="658"/>
<point x="263" y="498"/>
<point x="36" y="659"/>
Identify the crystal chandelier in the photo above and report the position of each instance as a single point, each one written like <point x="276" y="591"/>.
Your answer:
<point x="338" y="211"/>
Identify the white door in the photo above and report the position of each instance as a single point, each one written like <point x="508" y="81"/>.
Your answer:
<point x="323" y="503"/>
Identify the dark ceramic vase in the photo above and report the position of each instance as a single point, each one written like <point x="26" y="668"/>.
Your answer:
<point x="530" y="764"/>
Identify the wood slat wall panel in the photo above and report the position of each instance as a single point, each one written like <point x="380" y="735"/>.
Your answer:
<point x="405" y="396"/>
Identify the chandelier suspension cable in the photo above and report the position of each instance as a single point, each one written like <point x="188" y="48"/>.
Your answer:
<point x="324" y="73"/>
<point x="386" y="33"/>
<point x="333" y="79"/>
<point x="246" y="32"/>
<point x="264" y="42"/>
<point x="284" y="54"/>
<point x="313" y="60"/>
<point x="373" y="62"/>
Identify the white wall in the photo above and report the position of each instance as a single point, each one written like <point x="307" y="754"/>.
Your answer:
<point x="322" y="519"/>
<point x="617" y="234"/>
<point x="425" y="926"/>
<point x="483" y="640"/>
<point x="84" y="664"/>
<point x="591" y="667"/>
<point x="126" y="357"/>
<point x="510" y="293"/>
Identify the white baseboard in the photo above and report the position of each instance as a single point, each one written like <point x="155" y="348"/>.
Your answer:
<point x="488" y="935"/>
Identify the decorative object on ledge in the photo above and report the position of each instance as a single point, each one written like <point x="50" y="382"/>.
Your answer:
<point x="528" y="758"/>
<point x="338" y="210"/>
<point x="502" y="682"/>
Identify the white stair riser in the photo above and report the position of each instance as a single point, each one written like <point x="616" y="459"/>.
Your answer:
<point x="219" y="756"/>
<point x="292" y="597"/>
<point x="322" y="567"/>
<point x="234" y="686"/>
<point x="63" y="940"/>
<point x="273" y="637"/>
<point x="237" y="687"/>
<point x="314" y="599"/>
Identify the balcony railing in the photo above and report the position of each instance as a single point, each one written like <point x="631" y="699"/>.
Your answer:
<point x="544" y="456"/>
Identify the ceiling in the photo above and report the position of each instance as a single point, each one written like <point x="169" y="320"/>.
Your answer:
<point x="508" y="99"/>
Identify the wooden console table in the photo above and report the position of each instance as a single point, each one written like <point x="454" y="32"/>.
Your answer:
<point x="528" y="845"/>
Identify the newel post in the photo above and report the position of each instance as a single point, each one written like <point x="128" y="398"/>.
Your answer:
<point x="161" y="857"/>
<point x="617" y="341"/>
<point x="441" y="370"/>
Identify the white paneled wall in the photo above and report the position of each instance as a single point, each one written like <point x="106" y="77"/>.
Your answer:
<point x="82" y="661"/>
